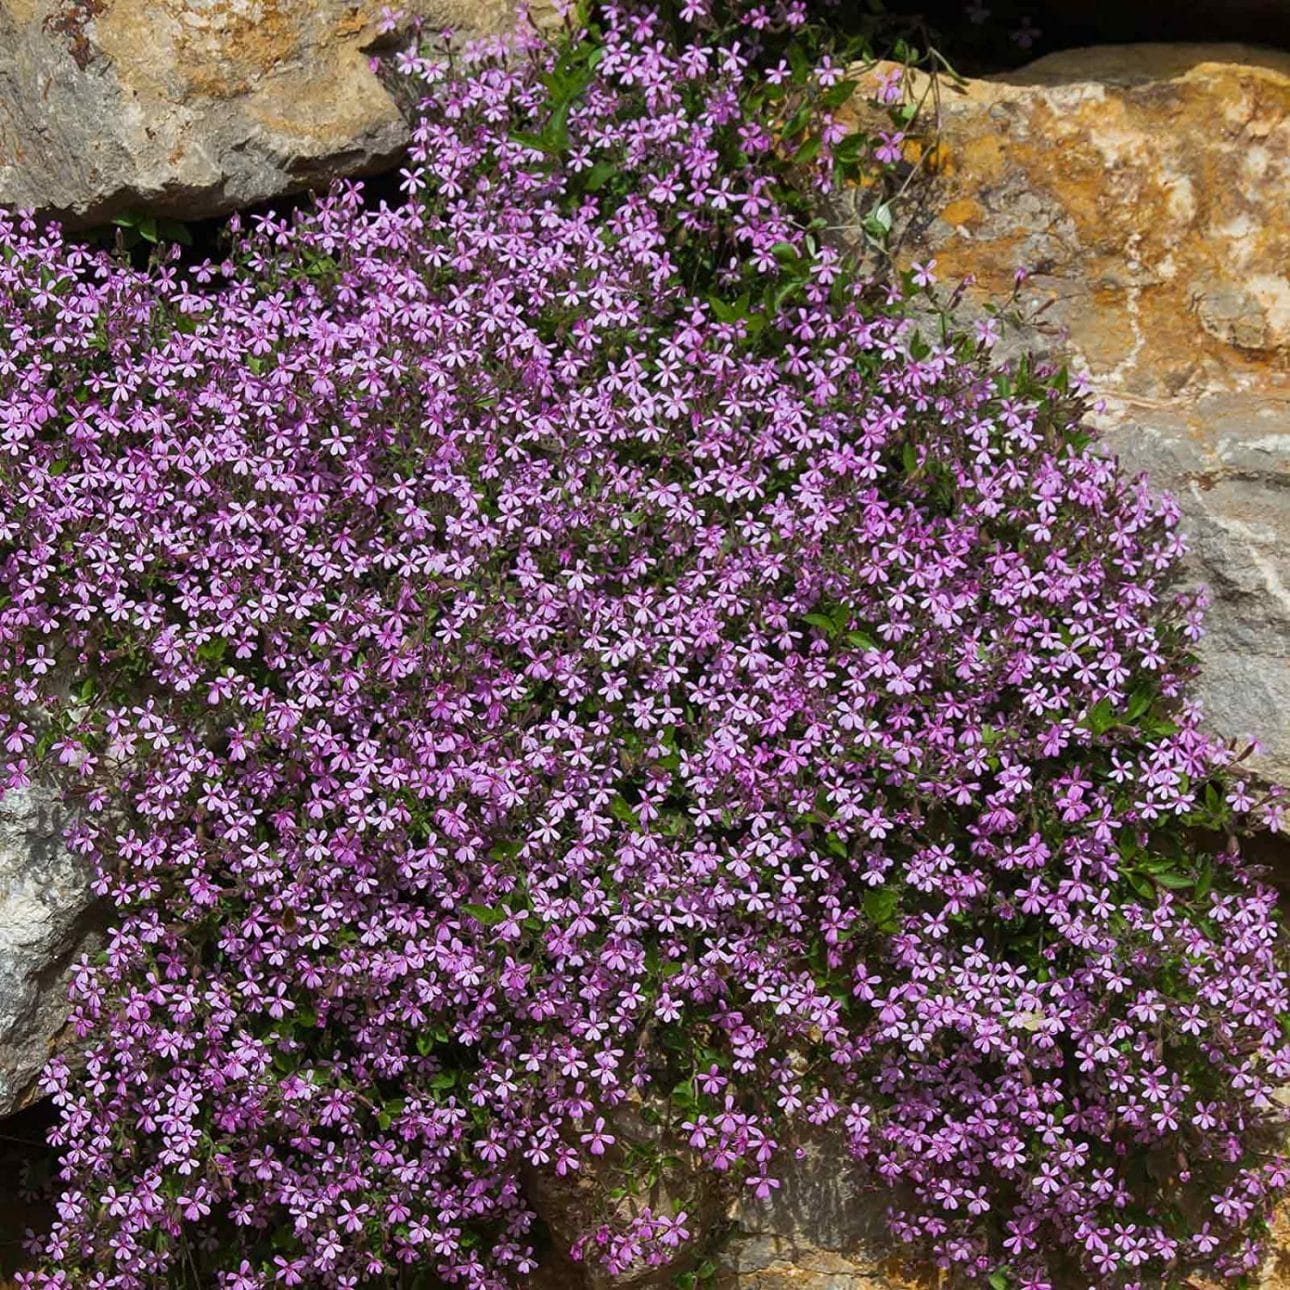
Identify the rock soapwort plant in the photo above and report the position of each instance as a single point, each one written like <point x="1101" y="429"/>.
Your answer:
<point x="566" y="649"/>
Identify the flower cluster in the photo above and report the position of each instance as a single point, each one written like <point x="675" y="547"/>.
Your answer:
<point x="563" y="652"/>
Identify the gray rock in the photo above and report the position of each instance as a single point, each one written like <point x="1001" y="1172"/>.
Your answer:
<point x="191" y="108"/>
<point x="47" y="920"/>
<point x="1227" y="462"/>
<point x="822" y="1230"/>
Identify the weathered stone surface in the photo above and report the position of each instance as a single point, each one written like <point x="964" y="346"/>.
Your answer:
<point x="46" y="921"/>
<point x="821" y="1231"/>
<point x="1145" y="188"/>
<point x="191" y="108"/>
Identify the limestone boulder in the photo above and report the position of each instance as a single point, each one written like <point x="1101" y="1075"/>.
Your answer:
<point x="48" y="918"/>
<point x="1145" y="189"/>
<point x="191" y="108"/>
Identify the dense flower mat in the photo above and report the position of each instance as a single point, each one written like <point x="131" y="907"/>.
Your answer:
<point x="570" y="644"/>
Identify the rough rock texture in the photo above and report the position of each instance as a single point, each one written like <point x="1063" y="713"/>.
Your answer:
<point x="820" y="1231"/>
<point x="1145" y="187"/>
<point x="821" y="1234"/>
<point x="47" y="920"/>
<point x="189" y="108"/>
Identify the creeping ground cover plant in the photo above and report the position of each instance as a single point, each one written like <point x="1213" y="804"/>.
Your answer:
<point x="568" y="652"/>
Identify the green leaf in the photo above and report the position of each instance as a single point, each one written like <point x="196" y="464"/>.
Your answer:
<point x="555" y="135"/>
<point x="880" y="905"/>
<point x="1142" y="886"/>
<point x="836" y="95"/>
<point x="730" y="311"/>
<point x="683" y="1095"/>
<point x="527" y="140"/>
<point x="1101" y="717"/>
<point x="621" y="809"/>
<point x="861" y="640"/>
<point x="784" y="294"/>
<point x="484" y="915"/>
<point x="599" y="175"/>
<point x="724" y="311"/>
<point x="852" y="148"/>
<point x="1206" y="879"/>
<point x="1139" y="701"/>
<point x="823" y="622"/>
<point x="793" y="126"/>
<point x="878" y="222"/>
<point x="808" y="151"/>
<point x="212" y="651"/>
<point x="443" y="1081"/>
<point x="1213" y="799"/>
<point x="998" y="1279"/>
<point x="173" y="231"/>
